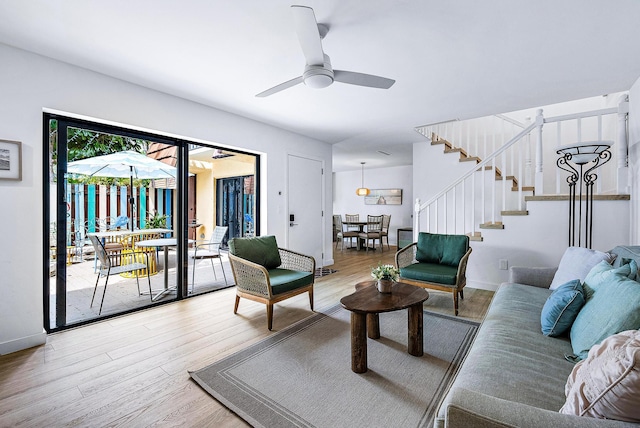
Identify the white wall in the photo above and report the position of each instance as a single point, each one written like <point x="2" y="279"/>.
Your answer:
<point x="634" y="159"/>
<point x="30" y="83"/>
<point x="541" y="238"/>
<point x="345" y="200"/>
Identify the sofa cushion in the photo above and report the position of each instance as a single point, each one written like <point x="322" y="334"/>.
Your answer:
<point x="561" y="308"/>
<point x="625" y="252"/>
<point x="601" y="273"/>
<point x="633" y="268"/>
<point x="441" y="249"/>
<point x="576" y="263"/>
<point x="510" y="359"/>
<point x="430" y="272"/>
<point x="613" y="306"/>
<point x="283" y="280"/>
<point x="262" y="250"/>
<point x="607" y="384"/>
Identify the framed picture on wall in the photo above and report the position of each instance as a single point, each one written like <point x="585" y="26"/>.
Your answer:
<point x="384" y="197"/>
<point x="10" y="160"/>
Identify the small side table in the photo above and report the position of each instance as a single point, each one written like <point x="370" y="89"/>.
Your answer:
<point x="365" y="305"/>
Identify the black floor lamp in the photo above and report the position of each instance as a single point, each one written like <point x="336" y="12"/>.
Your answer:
<point x="574" y="157"/>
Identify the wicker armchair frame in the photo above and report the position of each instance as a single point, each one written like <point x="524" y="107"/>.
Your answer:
<point x="253" y="283"/>
<point x="407" y="256"/>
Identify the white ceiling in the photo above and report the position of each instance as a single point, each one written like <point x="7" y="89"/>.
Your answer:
<point x="450" y="59"/>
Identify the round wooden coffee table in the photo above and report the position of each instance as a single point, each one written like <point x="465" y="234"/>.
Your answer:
<point x="365" y="305"/>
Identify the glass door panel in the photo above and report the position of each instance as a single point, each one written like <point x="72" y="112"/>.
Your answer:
<point x="219" y="179"/>
<point x="107" y="199"/>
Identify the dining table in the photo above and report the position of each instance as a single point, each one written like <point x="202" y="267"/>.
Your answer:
<point x="165" y="243"/>
<point x="360" y="224"/>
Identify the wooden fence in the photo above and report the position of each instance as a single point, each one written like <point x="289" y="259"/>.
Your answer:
<point x="95" y="208"/>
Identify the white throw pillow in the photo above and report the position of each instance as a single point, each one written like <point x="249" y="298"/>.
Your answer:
<point x="576" y="263"/>
<point x="606" y="385"/>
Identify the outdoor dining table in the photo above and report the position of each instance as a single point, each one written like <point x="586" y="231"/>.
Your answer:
<point x="112" y="235"/>
<point x="165" y="243"/>
<point x="128" y="239"/>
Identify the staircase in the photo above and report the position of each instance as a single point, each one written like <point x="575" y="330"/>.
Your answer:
<point x="514" y="163"/>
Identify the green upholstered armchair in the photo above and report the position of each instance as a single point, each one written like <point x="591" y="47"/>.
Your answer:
<point x="267" y="274"/>
<point x="438" y="262"/>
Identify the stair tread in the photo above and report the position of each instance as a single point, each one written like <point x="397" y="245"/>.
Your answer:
<point x="514" y="212"/>
<point x="496" y="225"/>
<point x="470" y="159"/>
<point x="524" y="188"/>
<point x="566" y="198"/>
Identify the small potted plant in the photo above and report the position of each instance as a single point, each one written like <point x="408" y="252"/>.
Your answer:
<point x="156" y="221"/>
<point x="386" y="276"/>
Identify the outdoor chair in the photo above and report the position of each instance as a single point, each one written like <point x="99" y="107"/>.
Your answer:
<point x="373" y="232"/>
<point x="344" y="233"/>
<point x="109" y="267"/>
<point x="267" y="274"/>
<point x="438" y="262"/>
<point x="209" y="250"/>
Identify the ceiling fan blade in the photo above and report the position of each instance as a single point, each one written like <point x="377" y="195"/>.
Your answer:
<point x="280" y="87"/>
<point x="308" y="34"/>
<point x="362" y="79"/>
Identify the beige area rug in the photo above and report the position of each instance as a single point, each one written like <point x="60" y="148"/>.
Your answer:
<point x="301" y="376"/>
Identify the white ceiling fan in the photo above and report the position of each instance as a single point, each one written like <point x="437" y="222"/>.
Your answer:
<point x="318" y="72"/>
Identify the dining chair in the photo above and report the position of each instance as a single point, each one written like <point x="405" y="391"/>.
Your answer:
<point x="209" y="250"/>
<point x="109" y="267"/>
<point x="386" y="220"/>
<point x="352" y="217"/>
<point x="344" y="233"/>
<point x="373" y="232"/>
<point x="337" y="219"/>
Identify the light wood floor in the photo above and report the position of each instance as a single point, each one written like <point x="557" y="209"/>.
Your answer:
<point x="132" y="371"/>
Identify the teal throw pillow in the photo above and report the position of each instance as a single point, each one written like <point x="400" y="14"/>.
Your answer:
<point x="633" y="266"/>
<point x="601" y="273"/>
<point x="561" y="308"/>
<point x="613" y="307"/>
<point x="262" y="250"/>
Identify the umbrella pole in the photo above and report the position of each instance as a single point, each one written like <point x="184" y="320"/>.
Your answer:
<point x="131" y="202"/>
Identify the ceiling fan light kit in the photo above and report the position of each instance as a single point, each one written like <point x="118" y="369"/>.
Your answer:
<point x="318" y="72"/>
<point x="318" y="76"/>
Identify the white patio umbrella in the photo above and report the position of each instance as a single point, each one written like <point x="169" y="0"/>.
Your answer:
<point x="122" y="165"/>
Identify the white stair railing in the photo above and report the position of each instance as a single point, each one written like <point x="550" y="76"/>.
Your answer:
<point x="506" y="169"/>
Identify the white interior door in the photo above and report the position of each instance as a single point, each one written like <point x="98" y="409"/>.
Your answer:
<point x="305" y="206"/>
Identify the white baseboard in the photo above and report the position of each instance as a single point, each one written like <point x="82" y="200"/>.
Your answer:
<point x="482" y="285"/>
<point x="23" y="343"/>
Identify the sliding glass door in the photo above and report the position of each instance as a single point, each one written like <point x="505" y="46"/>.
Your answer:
<point x="126" y="213"/>
<point x="114" y="220"/>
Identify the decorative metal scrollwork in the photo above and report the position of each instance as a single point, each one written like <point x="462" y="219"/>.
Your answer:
<point x="593" y="155"/>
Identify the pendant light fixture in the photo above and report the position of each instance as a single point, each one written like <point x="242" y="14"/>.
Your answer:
<point x="362" y="191"/>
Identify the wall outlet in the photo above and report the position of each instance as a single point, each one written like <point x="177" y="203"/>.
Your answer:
<point x="503" y="264"/>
